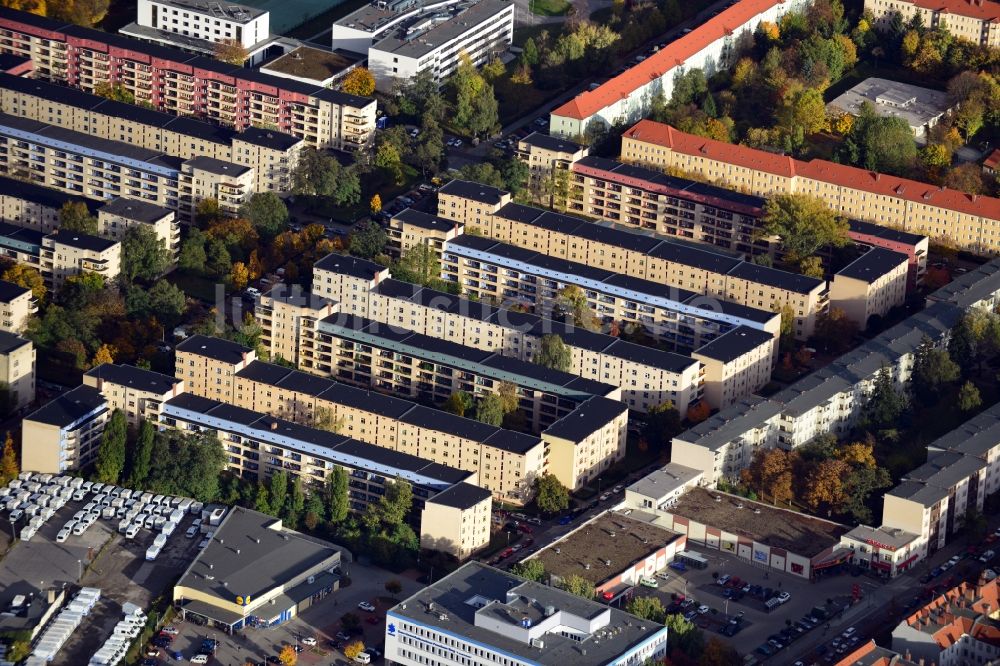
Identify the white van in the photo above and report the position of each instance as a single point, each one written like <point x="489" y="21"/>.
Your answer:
<point x="131" y="531"/>
<point x="363" y="658"/>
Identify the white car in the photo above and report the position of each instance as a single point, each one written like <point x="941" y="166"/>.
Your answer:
<point x="253" y="291"/>
<point x="848" y="632"/>
<point x="309" y="640"/>
<point x="784" y="596"/>
<point x="64" y="534"/>
<point x="703" y="609"/>
<point x="199" y="659"/>
<point x="365" y="606"/>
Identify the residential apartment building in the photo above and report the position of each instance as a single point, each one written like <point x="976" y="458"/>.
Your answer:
<point x="914" y="246"/>
<point x="711" y="47"/>
<point x="138" y="393"/>
<point x="257" y="445"/>
<point x="367" y="353"/>
<point x="119" y="215"/>
<point x="674" y="264"/>
<point x="64" y="434"/>
<point x="487" y="616"/>
<point x="545" y="155"/>
<point x="17" y="370"/>
<point x="971" y="222"/>
<point x="197" y="25"/>
<point x="974" y="21"/>
<point x="648" y="377"/>
<point x="870" y="286"/>
<point x="185" y="84"/>
<point x="61" y="254"/>
<point x="735" y="365"/>
<point x="403" y="39"/>
<point x="271" y="154"/>
<point x="412" y="227"/>
<point x="682" y="319"/>
<point x="81" y="164"/>
<point x="17" y="304"/>
<point x="957" y="628"/>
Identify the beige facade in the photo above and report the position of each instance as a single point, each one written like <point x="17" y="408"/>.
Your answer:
<point x="271" y="154"/>
<point x="288" y="316"/>
<point x="20" y="206"/>
<point x="412" y="227"/>
<point x="666" y="262"/>
<point x="870" y="286"/>
<point x="185" y="84"/>
<point x="17" y="369"/>
<point x="585" y="443"/>
<point x="64" y="434"/>
<point x="506" y="462"/>
<point x="457" y="520"/>
<point x="974" y="21"/>
<point x="119" y="215"/>
<point x="138" y="393"/>
<point x="65" y="254"/>
<point x="549" y="159"/>
<point x="17" y="304"/>
<point x="735" y="365"/>
<point x="970" y="222"/>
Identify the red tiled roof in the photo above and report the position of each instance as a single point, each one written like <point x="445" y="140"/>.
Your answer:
<point x="993" y="161"/>
<point x="673" y="55"/>
<point x="816" y="169"/>
<point x="977" y="9"/>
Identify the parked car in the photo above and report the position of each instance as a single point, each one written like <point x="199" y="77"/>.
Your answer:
<point x="343" y="636"/>
<point x="309" y="640"/>
<point x="722" y="580"/>
<point x="366" y="606"/>
<point x="784" y="597"/>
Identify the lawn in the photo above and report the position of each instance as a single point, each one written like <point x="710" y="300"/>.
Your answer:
<point x="548" y="7"/>
<point x="198" y="287"/>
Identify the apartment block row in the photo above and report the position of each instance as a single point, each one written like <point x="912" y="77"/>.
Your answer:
<point x="711" y="47"/>
<point x="60" y="254"/>
<point x="971" y="222"/>
<point x="403" y="39"/>
<point x="451" y="511"/>
<point x="186" y="84"/>
<point x="724" y="370"/>
<point x="271" y="154"/>
<point x="507" y="462"/>
<point x="17" y="364"/>
<point x="34" y="207"/>
<point x="674" y="264"/>
<point x="830" y="400"/>
<point x="972" y="20"/>
<point x="84" y="165"/>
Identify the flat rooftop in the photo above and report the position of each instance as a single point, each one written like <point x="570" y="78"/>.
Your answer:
<point x="874" y="264"/>
<point x="479" y="592"/>
<point x="665" y="480"/>
<point x="593" y="544"/>
<point x="228" y="11"/>
<point x="916" y="105"/>
<point x="429" y="31"/>
<point x="795" y="532"/>
<point x="311" y="63"/>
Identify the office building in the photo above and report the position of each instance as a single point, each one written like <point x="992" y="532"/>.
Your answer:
<point x="955" y="628"/>
<point x="188" y="85"/>
<point x="270" y="153"/>
<point x="681" y="319"/>
<point x="64" y="434"/>
<point x="711" y="47"/>
<point x="674" y="263"/>
<point x="974" y="21"/>
<point x="197" y="25"/>
<point x="971" y="222"/>
<point x="870" y="286"/>
<point x="17" y="370"/>
<point x="17" y="304"/>
<point x="921" y="108"/>
<point x="480" y="615"/>
<point x="255" y="572"/>
<point x="403" y="38"/>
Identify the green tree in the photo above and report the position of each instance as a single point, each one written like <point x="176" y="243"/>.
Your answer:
<point x="266" y="212"/>
<point x="324" y="419"/>
<point x="315" y="511"/>
<point x="489" y="410"/>
<point x="804" y="224"/>
<point x="683" y="635"/>
<point x="218" y="260"/>
<point x="573" y="302"/>
<point x="532" y="569"/>
<point x="278" y="492"/>
<point x="337" y="500"/>
<point x="316" y="173"/>
<point x="968" y="397"/>
<point x="262" y="500"/>
<point x="663" y="423"/>
<point x="144" y="254"/>
<point x="75" y="216"/>
<point x="368" y="241"/>
<point x="396" y="503"/>
<point x="515" y="174"/>
<point x="295" y="504"/>
<point x="578" y="585"/>
<point x="166" y="302"/>
<point x="141" y="456"/>
<point x="111" y="453"/>
<point x="812" y="267"/>
<point x="932" y="369"/>
<point x="419" y="264"/>
<point x="476" y="109"/>
<point x="551" y="496"/>
<point x="388" y="157"/>
<point x="116" y="92"/>
<point x="883" y="144"/>
<point x="648" y="608"/>
<point x="458" y="403"/>
<point x="553" y="353"/>
<point x="834" y="331"/>
<point x="885" y="404"/>
<point x="858" y="487"/>
<point x="192" y="257"/>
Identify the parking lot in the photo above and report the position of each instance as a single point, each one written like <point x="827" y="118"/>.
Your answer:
<point x="321" y="622"/>
<point x="756" y="623"/>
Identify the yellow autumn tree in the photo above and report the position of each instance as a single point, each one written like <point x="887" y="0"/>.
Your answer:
<point x="104" y="354"/>
<point x="288" y="656"/>
<point x="375" y="204"/>
<point x="858" y="453"/>
<point x="27" y="277"/>
<point x="33" y="6"/>
<point x="359" y="81"/>
<point x="230" y="51"/>
<point x="239" y="275"/>
<point x="8" y="461"/>
<point x="353" y="649"/>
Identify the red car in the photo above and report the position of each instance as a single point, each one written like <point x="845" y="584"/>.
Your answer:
<point x="506" y="552"/>
<point x="524" y="528"/>
<point x="373" y="619"/>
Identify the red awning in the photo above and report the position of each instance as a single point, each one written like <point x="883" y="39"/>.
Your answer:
<point x="839" y="559"/>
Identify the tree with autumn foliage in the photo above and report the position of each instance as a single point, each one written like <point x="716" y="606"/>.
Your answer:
<point x="770" y="475"/>
<point x="27" y="277"/>
<point x="239" y="275"/>
<point x="824" y="485"/>
<point x="289" y="657"/>
<point x="698" y="412"/>
<point x="353" y="649"/>
<point x="104" y="354"/>
<point x="8" y="461"/>
<point x="230" y="51"/>
<point x="375" y="204"/>
<point x="359" y="81"/>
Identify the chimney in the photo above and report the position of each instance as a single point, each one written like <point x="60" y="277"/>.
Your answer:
<point x="274" y="425"/>
<point x="50" y="595"/>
